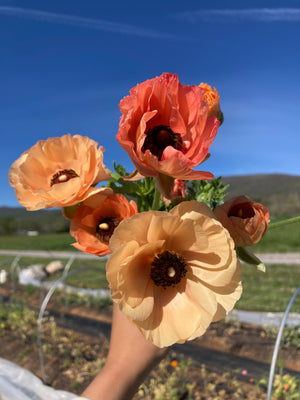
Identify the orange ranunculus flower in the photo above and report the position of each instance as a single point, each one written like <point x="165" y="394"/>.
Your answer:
<point x="246" y="220"/>
<point x="173" y="273"/>
<point x="58" y="172"/>
<point x="166" y="130"/>
<point x="96" y="219"/>
<point x="213" y="100"/>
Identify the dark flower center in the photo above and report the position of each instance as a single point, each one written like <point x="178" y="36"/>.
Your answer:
<point x="105" y="229"/>
<point x="63" y="176"/>
<point x="160" y="137"/>
<point x="243" y="211"/>
<point x="168" y="268"/>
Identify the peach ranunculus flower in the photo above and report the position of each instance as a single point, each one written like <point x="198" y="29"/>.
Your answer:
<point x="246" y="220"/>
<point x="213" y="100"/>
<point x="96" y="219"/>
<point x="173" y="273"/>
<point x="166" y="130"/>
<point x="58" y="172"/>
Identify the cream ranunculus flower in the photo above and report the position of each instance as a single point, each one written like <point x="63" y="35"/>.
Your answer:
<point x="173" y="273"/>
<point x="58" y="172"/>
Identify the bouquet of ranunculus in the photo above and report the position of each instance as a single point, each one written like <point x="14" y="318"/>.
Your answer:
<point x="174" y="262"/>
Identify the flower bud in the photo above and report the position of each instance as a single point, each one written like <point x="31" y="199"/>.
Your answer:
<point x="213" y="100"/>
<point x="246" y="220"/>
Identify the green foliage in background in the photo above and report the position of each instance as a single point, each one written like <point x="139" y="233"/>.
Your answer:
<point x="211" y="192"/>
<point x="142" y="191"/>
<point x="43" y="221"/>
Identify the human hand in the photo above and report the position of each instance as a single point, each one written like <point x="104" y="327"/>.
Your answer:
<point x="130" y="359"/>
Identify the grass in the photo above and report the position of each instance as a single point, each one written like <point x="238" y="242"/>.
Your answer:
<point x="53" y="241"/>
<point x="262" y="292"/>
<point x="281" y="240"/>
<point x="91" y="278"/>
<point x="269" y="291"/>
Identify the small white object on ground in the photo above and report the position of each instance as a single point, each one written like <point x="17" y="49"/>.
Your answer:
<point x="54" y="266"/>
<point x="32" y="275"/>
<point x="3" y="276"/>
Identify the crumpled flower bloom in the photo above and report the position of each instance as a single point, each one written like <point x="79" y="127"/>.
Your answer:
<point x="173" y="273"/>
<point x="96" y="219"/>
<point x="166" y="130"/>
<point x="58" y="172"/>
<point x="213" y="100"/>
<point x="178" y="192"/>
<point x="246" y="220"/>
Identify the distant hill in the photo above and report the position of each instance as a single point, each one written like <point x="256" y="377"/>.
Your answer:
<point x="17" y="219"/>
<point x="278" y="192"/>
<point x="20" y="212"/>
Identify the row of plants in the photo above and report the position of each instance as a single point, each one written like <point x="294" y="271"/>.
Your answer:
<point x="269" y="291"/>
<point x="176" y="377"/>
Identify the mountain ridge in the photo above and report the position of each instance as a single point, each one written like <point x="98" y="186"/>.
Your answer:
<point x="280" y="193"/>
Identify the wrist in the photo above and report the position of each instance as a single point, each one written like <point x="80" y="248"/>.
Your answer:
<point x="80" y="398"/>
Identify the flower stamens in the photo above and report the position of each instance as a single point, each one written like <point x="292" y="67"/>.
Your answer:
<point x="106" y="228"/>
<point x="168" y="269"/>
<point x="63" y="176"/>
<point x="160" y="137"/>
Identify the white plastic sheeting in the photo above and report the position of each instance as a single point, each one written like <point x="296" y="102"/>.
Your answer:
<point x="16" y="383"/>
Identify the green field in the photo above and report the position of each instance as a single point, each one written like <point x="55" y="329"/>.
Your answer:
<point x="283" y="239"/>
<point x="280" y="240"/>
<point x="53" y="241"/>
<point x="269" y="291"/>
<point x="93" y="277"/>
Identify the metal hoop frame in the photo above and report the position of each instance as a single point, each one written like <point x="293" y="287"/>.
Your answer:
<point x="42" y="311"/>
<point x="277" y="343"/>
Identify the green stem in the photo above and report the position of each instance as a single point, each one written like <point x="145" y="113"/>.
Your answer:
<point x="284" y="222"/>
<point x="156" y="199"/>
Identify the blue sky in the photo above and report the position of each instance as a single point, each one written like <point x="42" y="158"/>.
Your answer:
<point x="66" y="64"/>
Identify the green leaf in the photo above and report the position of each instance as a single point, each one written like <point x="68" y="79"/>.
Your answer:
<point x="246" y="255"/>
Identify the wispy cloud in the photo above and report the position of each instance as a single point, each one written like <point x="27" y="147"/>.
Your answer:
<point x="238" y="15"/>
<point x="88" y="23"/>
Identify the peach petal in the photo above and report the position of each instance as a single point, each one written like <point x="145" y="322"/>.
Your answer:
<point x="160" y="225"/>
<point x="209" y="289"/>
<point x="32" y="174"/>
<point x="130" y="229"/>
<point x="193" y="210"/>
<point x="116" y="260"/>
<point x="183" y="236"/>
<point x="181" y="316"/>
<point x="135" y="283"/>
